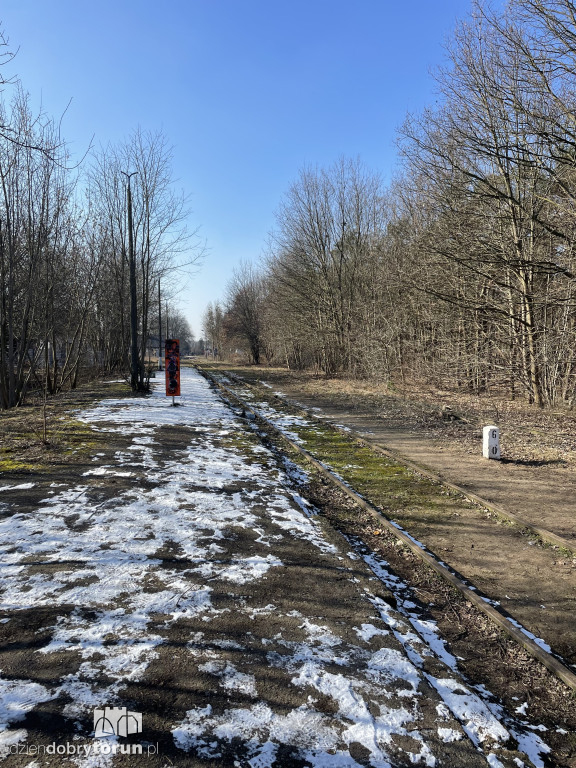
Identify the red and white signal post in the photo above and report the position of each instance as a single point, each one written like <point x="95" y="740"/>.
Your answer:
<point x="172" y="367"/>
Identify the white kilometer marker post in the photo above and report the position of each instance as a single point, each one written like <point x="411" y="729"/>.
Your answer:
<point x="491" y="443"/>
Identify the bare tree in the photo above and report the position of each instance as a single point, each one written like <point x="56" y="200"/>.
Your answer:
<point x="487" y="191"/>
<point x="245" y="306"/>
<point x="213" y="329"/>
<point x="36" y="225"/>
<point x="161" y="243"/>
<point x="326" y="228"/>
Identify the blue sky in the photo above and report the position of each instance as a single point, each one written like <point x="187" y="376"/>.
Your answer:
<point x="247" y="91"/>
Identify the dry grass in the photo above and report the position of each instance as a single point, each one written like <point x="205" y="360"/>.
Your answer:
<point x="29" y="443"/>
<point x="529" y="434"/>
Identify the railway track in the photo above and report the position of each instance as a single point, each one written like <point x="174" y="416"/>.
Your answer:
<point x="501" y="619"/>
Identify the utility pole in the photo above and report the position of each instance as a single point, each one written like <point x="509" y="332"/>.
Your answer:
<point x="159" y="328"/>
<point x="134" y="366"/>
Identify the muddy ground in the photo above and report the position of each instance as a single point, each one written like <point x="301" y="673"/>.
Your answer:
<point x="533" y="582"/>
<point x="192" y="667"/>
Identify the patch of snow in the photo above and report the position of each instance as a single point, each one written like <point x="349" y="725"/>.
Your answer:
<point x="537" y="640"/>
<point x="194" y="502"/>
<point x="21" y="487"/>
<point x="532" y="746"/>
<point x="233" y="680"/>
<point x="249" y="568"/>
<point x="477" y="720"/>
<point x="368" y="631"/>
<point x="449" y="734"/>
<point x="10" y="737"/>
<point x="17" y="698"/>
<point x="105" y="471"/>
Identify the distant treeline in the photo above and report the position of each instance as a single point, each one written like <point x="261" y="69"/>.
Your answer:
<point x="463" y="270"/>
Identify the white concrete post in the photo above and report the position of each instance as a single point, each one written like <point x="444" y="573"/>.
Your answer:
<point x="491" y="443"/>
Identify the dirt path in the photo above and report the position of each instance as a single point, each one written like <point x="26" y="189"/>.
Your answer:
<point x="544" y="495"/>
<point x="535" y="584"/>
<point x="540" y="490"/>
<point x="178" y="574"/>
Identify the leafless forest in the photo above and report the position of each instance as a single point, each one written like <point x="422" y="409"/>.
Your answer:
<point x="462" y="270"/>
<point x="65" y="252"/>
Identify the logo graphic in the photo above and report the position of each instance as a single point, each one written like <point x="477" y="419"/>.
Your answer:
<point x="116" y="721"/>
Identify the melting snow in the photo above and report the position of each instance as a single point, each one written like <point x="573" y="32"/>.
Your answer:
<point x="196" y="502"/>
<point x="22" y="487"/>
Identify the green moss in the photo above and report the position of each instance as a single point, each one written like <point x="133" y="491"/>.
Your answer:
<point x="74" y="428"/>
<point x="385" y="482"/>
<point x="13" y="465"/>
<point x="245" y="442"/>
